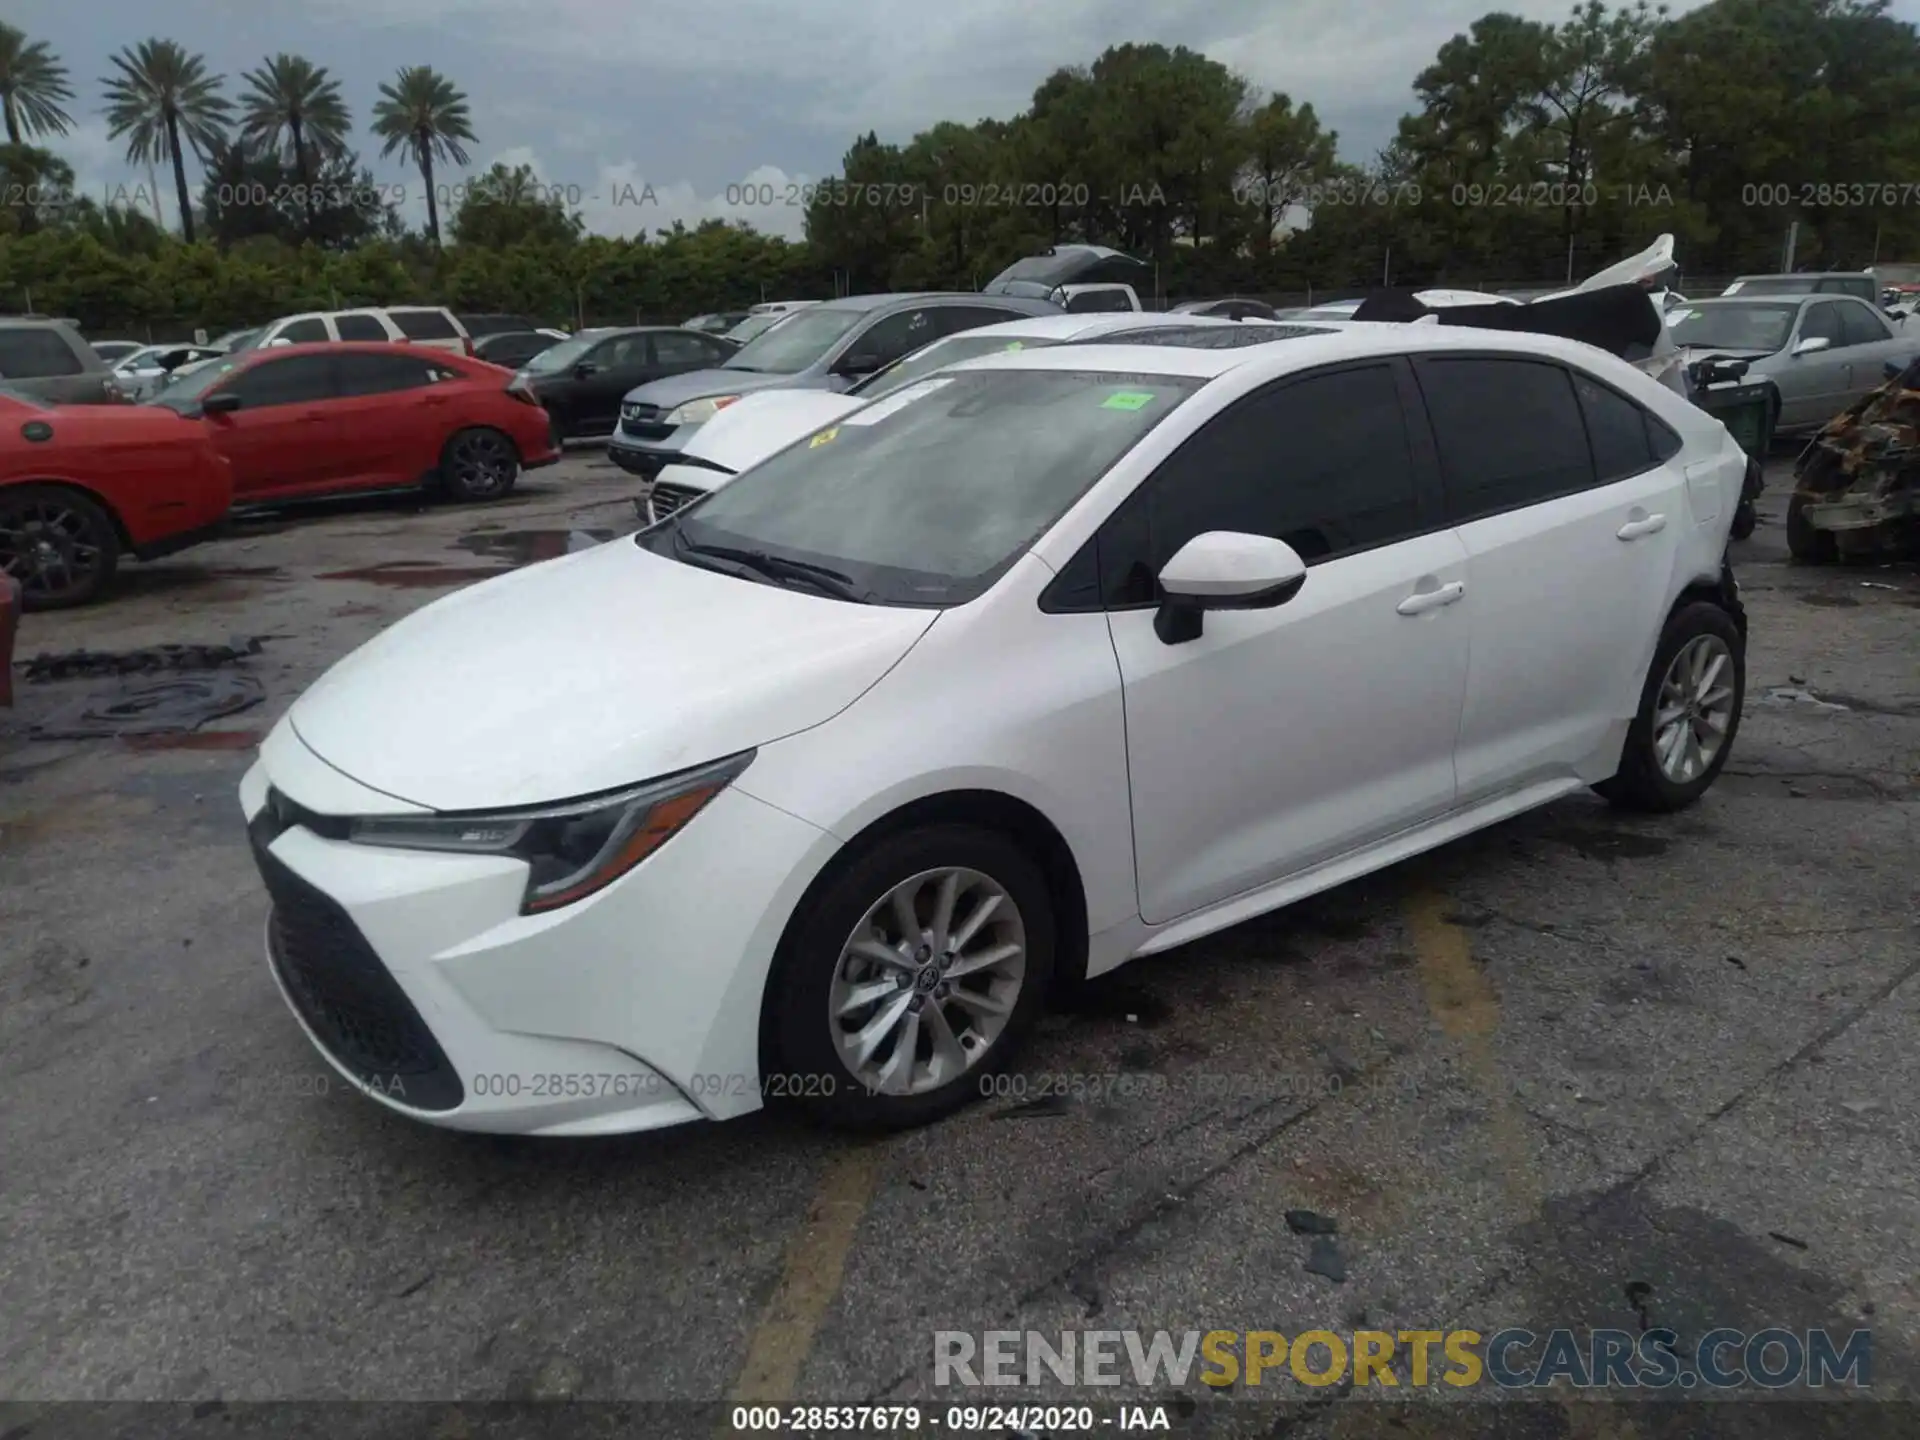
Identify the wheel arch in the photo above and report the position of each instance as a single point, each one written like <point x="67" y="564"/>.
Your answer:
<point x="995" y="810"/>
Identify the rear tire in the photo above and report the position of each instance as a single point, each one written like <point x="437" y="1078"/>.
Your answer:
<point x="1804" y="543"/>
<point x="1689" y="713"/>
<point x="477" y="464"/>
<point x="852" y="968"/>
<point x="58" y="543"/>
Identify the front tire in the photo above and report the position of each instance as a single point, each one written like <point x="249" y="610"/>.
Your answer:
<point x="1689" y="713"/>
<point x="59" y="544"/>
<point x="478" y="464"/>
<point x="910" y="979"/>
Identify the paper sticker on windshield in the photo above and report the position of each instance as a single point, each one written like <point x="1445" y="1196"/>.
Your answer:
<point x="880" y="409"/>
<point x="822" y="438"/>
<point x="1016" y="345"/>
<point x="1127" y="400"/>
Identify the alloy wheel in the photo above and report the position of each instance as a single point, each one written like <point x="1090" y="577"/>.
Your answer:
<point x="483" y="463"/>
<point x="1694" y="710"/>
<point x="927" y="982"/>
<point x="49" y="547"/>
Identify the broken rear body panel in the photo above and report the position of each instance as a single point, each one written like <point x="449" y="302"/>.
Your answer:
<point x="1859" y="479"/>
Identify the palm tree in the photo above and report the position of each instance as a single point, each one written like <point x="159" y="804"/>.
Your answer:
<point x="293" y="107"/>
<point x="422" y="113"/>
<point x="32" y="85"/>
<point x="161" y="96"/>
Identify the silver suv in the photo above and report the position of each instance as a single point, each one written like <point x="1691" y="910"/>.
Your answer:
<point x="49" y="360"/>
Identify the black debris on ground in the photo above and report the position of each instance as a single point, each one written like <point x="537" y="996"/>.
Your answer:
<point x="153" y="659"/>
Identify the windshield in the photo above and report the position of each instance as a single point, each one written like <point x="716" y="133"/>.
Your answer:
<point x="1733" y="325"/>
<point x="753" y="325"/>
<point x="1776" y="285"/>
<point x="143" y="358"/>
<point x="187" y="387"/>
<point x="562" y="355"/>
<point x="926" y="497"/>
<point x="804" y="340"/>
<point x="938" y="356"/>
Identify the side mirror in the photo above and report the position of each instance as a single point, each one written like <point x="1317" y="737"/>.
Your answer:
<point x="222" y="402"/>
<point x="1224" y="570"/>
<point x="861" y="362"/>
<point x="1812" y="345"/>
<point x="584" y="368"/>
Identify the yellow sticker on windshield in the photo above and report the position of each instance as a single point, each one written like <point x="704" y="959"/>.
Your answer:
<point x="1127" y="400"/>
<point x="822" y="438"/>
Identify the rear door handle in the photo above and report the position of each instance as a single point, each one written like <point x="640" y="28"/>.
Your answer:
<point x="1634" y="529"/>
<point x="1422" y="601"/>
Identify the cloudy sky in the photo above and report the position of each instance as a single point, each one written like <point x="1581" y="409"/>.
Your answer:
<point x="608" y="98"/>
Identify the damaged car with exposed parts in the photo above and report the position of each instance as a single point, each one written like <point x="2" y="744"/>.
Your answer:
<point x="1857" y="484"/>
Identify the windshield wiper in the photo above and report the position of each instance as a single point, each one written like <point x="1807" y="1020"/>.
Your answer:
<point x="828" y="581"/>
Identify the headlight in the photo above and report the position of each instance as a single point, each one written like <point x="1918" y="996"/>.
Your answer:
<point x="571" y="850"/>
<point x="698" y="412"/>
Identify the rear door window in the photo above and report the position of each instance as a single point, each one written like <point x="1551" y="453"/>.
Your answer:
<point x="31" y="352"/>
<point x="360" y="327"/>
<point x="424" y="324"/>
<point x="382" y="374"/>
<point x="1509" y="431"/>
<point x="1616" y="429"/>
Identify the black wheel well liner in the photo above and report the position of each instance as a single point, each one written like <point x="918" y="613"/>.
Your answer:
<point x="990" y="810"/>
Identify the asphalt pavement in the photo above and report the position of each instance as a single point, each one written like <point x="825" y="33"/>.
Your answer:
<point x="1578" y="1070"/>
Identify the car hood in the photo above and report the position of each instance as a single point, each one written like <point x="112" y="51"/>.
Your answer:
<point x="589" y="672"/>
<point x="698" y="384"/>
<point x="748" y="432"/>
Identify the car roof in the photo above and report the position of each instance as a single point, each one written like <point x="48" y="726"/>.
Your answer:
<point x="919" y="297"/>
<point x="1324" y="345"/>
<point x="342" y="347"/>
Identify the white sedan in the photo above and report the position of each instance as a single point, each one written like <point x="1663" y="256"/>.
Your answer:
<point x="1051" y="660"/>
<point x="758" y="425"/>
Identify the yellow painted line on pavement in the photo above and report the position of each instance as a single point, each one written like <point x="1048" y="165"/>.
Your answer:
<point x="777" y="1349"/>
<point x="1467" y="1008"/>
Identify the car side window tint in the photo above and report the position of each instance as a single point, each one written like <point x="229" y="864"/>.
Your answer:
<point x="624" y="352"/>
<point x="1323" y="463"/>
<point x="359" y="327"/>
<point x="955" y="318"/>
<point x="31" y="353"/>
<point x="899" y="334"/>
<point x="672" y="349"/>
<point x="1616" y="429"/>
<point x="382" y="374"/>
<point x="298" y="379"/>
<point x="1822" y="322"/>
<point x="308" y="332"/>
<point x="1860" y="326"/>
<point x="1509" y="433"/>
<point x="1661" y="436"/>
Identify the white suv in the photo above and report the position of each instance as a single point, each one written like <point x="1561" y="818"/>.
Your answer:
<point x="430" y="326"/>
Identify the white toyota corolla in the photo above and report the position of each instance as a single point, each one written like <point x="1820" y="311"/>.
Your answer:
<point x="1045" y="662"/>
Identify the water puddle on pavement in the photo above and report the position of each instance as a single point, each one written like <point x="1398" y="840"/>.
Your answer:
<point x="417" y="574"/>
<point x="528" y="547"/>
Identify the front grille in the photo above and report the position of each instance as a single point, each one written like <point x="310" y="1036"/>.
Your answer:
<point x="663" y="500"/>
<point x="347" y="997"/>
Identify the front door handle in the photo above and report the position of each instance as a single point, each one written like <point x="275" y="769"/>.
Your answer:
<point x="1646" y="525"/>
<point x="1422" y="601"/>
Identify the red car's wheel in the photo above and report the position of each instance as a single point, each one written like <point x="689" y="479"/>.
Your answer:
<point x="59" y="544"/>
<point x="479" y="464"/>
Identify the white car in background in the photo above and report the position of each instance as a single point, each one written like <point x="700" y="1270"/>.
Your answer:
<point x="1047" y="661"/>
<point x="756" y="426"/>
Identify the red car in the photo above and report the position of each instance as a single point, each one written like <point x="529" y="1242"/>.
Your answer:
<point x="301" y="420"/>
<point x="83" y="485"/>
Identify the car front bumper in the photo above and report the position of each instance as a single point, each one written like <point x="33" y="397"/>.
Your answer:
<point x="417" y="978"/>
<point x="644" y="449"/>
